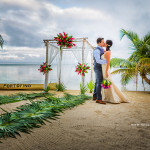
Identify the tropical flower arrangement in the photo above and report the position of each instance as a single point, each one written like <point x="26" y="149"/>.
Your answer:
<point x="106" y="84"/>
<point x="63" y="40"/>
<point x="82" y="69"/>
<point x="45" y="68"/>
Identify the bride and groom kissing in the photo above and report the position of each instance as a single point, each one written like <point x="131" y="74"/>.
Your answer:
<point x="102" y="71"/>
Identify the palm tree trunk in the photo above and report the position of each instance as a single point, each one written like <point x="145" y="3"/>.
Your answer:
<point x="145" y="78"/>
<point x="143" y="84"/>
<point x="136" y="81"/>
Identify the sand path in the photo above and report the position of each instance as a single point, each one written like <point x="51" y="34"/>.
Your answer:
<point x="92" y="126"/>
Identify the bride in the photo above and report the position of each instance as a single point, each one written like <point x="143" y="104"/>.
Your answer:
<point x="112" y="94"/>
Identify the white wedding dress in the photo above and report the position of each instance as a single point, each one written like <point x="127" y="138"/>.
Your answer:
<point x="112" y="94"/>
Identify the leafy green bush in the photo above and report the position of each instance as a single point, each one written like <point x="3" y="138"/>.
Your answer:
<point x="83" y="89"/>
<point x="60" y="87"/>
<point x="90" y="86"/>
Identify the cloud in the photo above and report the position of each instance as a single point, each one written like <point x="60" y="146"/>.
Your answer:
<point x="27" y="23"/>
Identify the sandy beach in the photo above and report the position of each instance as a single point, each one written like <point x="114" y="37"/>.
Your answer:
<point x="89" y="126"/>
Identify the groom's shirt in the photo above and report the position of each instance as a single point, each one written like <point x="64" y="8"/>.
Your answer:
<point x="96" y="54"/>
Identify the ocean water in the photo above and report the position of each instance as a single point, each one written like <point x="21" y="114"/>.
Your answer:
<point x="28" y="73"/>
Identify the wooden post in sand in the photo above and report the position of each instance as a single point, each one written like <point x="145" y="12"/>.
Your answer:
<point x="83" y="78"/>
<point x="91" y="59"/>
<point x="60" y="60"/>
<point x="46" y="74"/>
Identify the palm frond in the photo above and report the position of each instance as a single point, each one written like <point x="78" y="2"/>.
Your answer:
<point x="126" y="77"/>
<point x="130" y="35"/>
<point x="33" y="115"/>
<point x="120" y="62"/>
<point x="146" y="38"/>
<point x="19" y="97"/>
<point x="144" y="61"/>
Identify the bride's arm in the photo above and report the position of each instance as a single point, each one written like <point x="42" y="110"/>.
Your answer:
<point x="107" y="56"/>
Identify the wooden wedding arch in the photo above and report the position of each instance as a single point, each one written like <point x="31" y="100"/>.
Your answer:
<point x="50" y="42"/>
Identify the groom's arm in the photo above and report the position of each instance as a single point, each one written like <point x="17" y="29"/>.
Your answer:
<point x="96" y="55"/>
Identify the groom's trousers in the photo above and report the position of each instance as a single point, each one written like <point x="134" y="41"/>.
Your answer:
<point x="99" y="78"/>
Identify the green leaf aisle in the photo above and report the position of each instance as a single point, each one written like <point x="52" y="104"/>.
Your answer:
<point x="33" y="115"/>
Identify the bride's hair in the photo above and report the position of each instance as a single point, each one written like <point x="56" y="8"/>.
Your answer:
<point x="109" y="44"/>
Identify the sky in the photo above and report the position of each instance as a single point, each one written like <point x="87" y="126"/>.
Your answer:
<point x="25" y="23"/>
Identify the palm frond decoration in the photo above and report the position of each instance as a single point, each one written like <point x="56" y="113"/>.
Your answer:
<point x="8" y="126"/>
<point x="29" y="116"/>
<point x="19" y="97"/>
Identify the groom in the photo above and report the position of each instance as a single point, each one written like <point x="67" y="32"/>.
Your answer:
<point x="97" y="53"/>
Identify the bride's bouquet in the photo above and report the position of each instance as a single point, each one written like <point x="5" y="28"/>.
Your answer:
<point x="106" y="84"/>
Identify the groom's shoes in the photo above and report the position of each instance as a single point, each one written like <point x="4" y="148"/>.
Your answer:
<point x="94" y="98"/>
<point x="100" y="101"/>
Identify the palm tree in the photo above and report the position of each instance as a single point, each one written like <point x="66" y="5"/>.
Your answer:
<point x="1" y="41"/>
<point x="138" y="62"/>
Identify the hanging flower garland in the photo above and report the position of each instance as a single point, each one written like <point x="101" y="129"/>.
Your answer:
<point x="45" y="68"/>
<point x="106" y="84"/>
<point x="63" y="40"/>
<point x="82" y="69"/>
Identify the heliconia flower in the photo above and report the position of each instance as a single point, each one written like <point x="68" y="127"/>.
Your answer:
<point x="44" y="66"/>
<point x="74" y="45"/>
<point x="60" y="34"/>
<point x="69" y="46"/>
<point x="82" y="74"/>
<point x="64" y="33"/>
<point x="87" y="67"/>
<point x="79" y="70"/>
<point x="44" y="70"/>
<point x="60" y="40"/>
<point x="47" y="65"/>
<point x="83" y="70"/>
<point x="63" y="45"/>
<point x="79" y="63"/>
